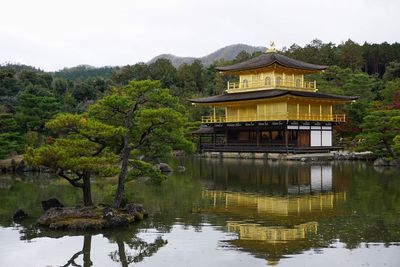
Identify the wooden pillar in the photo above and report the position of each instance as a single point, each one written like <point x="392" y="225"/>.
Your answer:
<point x="309" y="111"/>
<point x="258" y="135"/>
<point x="298" y="110"/>
<point x="286" y="139"/>
<point x="320" y="112"/>
<point x="214" y="114"/>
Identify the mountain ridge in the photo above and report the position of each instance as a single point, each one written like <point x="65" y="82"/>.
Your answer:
<point x="227" y="53"/>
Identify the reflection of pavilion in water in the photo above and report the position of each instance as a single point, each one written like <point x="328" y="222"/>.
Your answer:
<point x="257" y="232"/>
<point x="270" y="227"/>
<point x="245" y="203"/>
<point x="270" y="177"/>
<point x="277" y="222"/>
<point x="272" y="243"/>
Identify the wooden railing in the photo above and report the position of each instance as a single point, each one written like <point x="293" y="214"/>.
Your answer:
<point x="233" y="87"/>
<point x="274" y="117"/>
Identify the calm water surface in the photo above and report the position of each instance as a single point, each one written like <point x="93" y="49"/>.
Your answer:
<point x="220" y="213"/>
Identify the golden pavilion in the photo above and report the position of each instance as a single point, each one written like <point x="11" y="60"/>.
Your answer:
<point x="271" y="108"/>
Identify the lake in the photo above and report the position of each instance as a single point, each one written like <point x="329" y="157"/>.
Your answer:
<point x="220" y="212"/>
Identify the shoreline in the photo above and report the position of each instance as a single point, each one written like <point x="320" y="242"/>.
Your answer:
<point x="332" y="156"/>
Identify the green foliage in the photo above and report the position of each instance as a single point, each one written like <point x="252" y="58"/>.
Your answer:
<point x="140" y="168"/>
<point x="379" y="130"/>
<point x="35" y="106"/>
<point x="396" y="144"/>
<point x="69" y="103"/>
<point x="8" y="82"/>
<point x="75" y="155"/>
<point x="84" y="72"/>
<point x="350" y="55"/>
<point x="82" y="147"/>
<point x="10" y="137"/>
<point x="89" y="89"/>
<point x="390" y="92"/>
<point x="155" y="119"/>
<point x="392" y="71"/>
<point x="164" y="71"/>
<point x="60" y="86"/>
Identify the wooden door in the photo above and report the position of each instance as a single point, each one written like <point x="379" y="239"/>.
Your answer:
<point x="303" y="139"/>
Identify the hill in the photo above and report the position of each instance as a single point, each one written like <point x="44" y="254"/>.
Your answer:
<point x="227" y="53"/>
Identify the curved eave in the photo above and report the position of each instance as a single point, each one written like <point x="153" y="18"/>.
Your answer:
<point x="268" y="94"/>
<point x="268" y="59"/>
<point x="241" y="70"/>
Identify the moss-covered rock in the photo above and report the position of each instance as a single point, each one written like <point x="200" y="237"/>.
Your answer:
<point x="88" y="218"/>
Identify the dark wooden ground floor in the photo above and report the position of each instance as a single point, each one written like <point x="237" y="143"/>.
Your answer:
<point x="278" y="137"/>
<point x="207" y="147"/>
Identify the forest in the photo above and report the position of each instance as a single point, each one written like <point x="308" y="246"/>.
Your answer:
<point x="30" y="97"/>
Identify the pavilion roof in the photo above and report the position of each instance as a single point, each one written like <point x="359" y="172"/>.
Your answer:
<point x="262" y="94"/>
<point x="269" y="58"/>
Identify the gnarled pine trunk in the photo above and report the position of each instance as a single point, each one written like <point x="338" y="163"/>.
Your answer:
<point x="124" y="169"/>
<point x="87" y="194"/>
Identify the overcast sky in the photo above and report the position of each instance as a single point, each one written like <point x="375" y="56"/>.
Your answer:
<point x="52" y="34"/>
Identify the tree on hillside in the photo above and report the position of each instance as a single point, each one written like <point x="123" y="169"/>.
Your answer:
<point x="80" y="151"/>
<point x="350" y="55"/>
<point x="191" y="77"/>
<point x="8" y="82"/>
<point x="35" y="106"/>
<point x="10" y="137"/>
<point x="153" y="121"/>
<point x="89" y="89"/>
<point x="378" y="131"/>
<point x="60" y="86"/>
<point x="33" y="78"/>
<point x="8" y="88"/>
<point x="163" y="70"/>
<point x="391" y="93"/>
<point x="242" y="56"/>
<point x="392" y="71"/>
<point x="139" y="71"/>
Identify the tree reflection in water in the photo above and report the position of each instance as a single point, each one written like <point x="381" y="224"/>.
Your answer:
<point x="87" y="244"/>
<point x="137" y="252"/>
<point x="139" y="249"/>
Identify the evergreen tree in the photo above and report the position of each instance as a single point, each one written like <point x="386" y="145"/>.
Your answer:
<point x="379" y="130"/>
<point x="153" y="121"/>
<point x="35" y="106"/>
<point x="10" y="137"/>
<point x="79" y="152"/>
